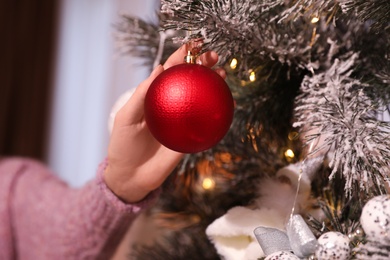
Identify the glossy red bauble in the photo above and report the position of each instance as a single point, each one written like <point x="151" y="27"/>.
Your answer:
<point x="189" y="108"/>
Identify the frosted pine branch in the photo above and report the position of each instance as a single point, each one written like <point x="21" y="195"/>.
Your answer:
<point x="143" y="39"/>
<point x="310" y="8"/>
<point x="336" y="106"/>
<point x="243" y="29"/>
<point x="372" y="250"/>
<point x="376" y="12"/>
<point x="137" y="37"/>
<point x="228" y="27"/>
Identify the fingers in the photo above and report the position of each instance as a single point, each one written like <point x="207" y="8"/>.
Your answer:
<point x="221" y="72"/>
<point x="133" y="110"/>
<point x="177" y="57"/>
<point x="208" y="59"/>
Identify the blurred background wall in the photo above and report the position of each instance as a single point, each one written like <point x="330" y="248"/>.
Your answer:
<point x="28" y="32"/>
<point x="60" y="75"/>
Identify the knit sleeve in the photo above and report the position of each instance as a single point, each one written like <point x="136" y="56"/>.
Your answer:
<point x="50" y="220"/>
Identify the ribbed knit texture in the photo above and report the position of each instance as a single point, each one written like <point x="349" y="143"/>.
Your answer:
<point x="43" y="218"/>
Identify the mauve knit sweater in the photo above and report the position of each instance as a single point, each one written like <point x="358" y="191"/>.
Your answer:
<point x="43" y="218"/>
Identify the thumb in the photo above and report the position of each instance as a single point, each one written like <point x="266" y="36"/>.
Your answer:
<point x="133" y="110"/>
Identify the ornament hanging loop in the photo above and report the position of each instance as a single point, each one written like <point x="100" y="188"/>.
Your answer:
<point x="194" y="50"/>
<point x="194" y="44"/>
<point x="190" y="58"/>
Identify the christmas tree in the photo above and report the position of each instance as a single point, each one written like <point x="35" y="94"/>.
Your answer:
<point x="309" y="143"/>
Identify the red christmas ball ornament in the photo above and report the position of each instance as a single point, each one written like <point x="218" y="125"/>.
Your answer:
<point x="189" y="108"/>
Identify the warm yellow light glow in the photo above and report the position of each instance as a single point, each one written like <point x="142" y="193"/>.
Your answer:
<point x="252" y="76"/>
<point x="208" y="183"/>
<point x="315" y="19"/>
<point x="289" y="154"/>
<point x="233" y="64"/>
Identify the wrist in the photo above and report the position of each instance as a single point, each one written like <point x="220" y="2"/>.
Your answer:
<point x="123" y="186"/>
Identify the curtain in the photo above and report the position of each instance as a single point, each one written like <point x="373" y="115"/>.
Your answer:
<point x="27" y="44"/>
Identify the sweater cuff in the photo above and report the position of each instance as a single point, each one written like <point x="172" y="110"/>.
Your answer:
<point x="116" y="202"/>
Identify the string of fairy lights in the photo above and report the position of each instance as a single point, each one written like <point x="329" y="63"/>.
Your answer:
<point x="207" y="182"/>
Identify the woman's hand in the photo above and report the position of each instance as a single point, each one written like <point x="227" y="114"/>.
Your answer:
<point x="137" y="162"/>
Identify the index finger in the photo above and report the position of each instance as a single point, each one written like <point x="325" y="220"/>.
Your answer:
<point x="207" y="59"/>
<point x="177" y="57"/>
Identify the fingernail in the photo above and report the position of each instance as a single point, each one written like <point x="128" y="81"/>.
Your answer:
<point x="214" y="55"/>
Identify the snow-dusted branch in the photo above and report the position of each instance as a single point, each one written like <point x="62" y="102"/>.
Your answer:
<point x="335" y="105"/>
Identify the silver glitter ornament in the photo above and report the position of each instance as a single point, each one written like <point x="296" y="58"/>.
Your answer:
<point x="302" y="240"/>
<point x="272" y="240"/>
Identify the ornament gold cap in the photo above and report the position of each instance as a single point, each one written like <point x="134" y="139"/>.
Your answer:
<point x="190" y="58"/>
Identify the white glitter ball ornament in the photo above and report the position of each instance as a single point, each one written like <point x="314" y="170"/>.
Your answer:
<point x="333" y="245"/>
<point x="375" y="218"/>
<point x="282" y="255"/>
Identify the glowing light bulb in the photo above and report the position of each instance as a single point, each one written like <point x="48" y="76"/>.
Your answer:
<point x="289" y="154"/>
<point x="315" y="19"/>
<point x="233" y="64"/>
<point x="208" y="183"/>
<point x="252" y="76"/>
